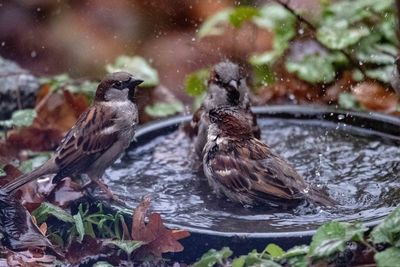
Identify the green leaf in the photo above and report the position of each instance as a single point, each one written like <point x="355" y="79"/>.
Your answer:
<point x="63" y="81"/>
<point x="296" y="251"/>
<point x="376" y="54"/>
<point x="383" y="74"/>
<point x="274" y="251"/>
<point x="388" y="258"/>
<point x="36" y="160"/>
<point x="2" y="172"/>
<point x="161" y="109"/>
<point x="88" y="226"/>
<point x="213" y="257"/>
<point x="331" y="238"/>
<point x="316" y="68"/>
<point x="214" y="25"/>
<point x="195" y="83"/>
<point x="242" y="14"/>
<point x="56" y="82"/>
<point x="387" y="28"/>
<point x="23" y="117"/>
<point x="239" y="262"/>
<point x="388" y="231"/>
<point x="79" y="225"/>
<point x="87" y="88"/>
<point x="355" y="11"/>
<point x="126" y="245"/>
<point x="348" y="101"/>
<point x="340" y="35"/>
<point x="266" y="58"/>
<point x="20" y="118"/>
<point x="138" y="67"/>
<point x="297" y="256"/>
<point x="263" y="75"/>
<point x="42" y="213"/>
<point x="280" y="21"/>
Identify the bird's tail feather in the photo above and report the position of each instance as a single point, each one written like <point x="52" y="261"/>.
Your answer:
<point x="15" y="184"/>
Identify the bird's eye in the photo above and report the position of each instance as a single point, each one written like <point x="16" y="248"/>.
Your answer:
<point x="213" y="116"/>
<point x="118" y="83"/>
<point x="213" y="119"/>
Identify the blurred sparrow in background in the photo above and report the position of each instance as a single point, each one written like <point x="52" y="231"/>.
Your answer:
<point x="226" y="87"/>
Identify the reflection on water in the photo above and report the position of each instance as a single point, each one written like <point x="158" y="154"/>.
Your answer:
<point x="362" y="173"/>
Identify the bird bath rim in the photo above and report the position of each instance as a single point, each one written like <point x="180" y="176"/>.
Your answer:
<point x="385" y="125"/>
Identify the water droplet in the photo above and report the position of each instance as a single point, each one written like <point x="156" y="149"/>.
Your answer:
<point x="341" y="117"/>
<point x="33" y="54"/>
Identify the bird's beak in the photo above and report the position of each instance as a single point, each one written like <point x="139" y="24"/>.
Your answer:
<point x="134" y="82"/>
<point x="234" y="84"/>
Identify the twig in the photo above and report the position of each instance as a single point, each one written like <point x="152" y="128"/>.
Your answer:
<point x="314" y="30"/>
<point x="43" y="101"/>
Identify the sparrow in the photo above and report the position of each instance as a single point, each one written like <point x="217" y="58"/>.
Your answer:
<point x="246" y="170"/>
<point x="97" y="139"/>
<point x="226" y="87"/>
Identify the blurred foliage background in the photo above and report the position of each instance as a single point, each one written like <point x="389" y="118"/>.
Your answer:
<point x="298" y="51"/>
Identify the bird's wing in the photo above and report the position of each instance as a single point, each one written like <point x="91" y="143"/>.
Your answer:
<point x="93" y="133"/>
<point x="252" y="169"/>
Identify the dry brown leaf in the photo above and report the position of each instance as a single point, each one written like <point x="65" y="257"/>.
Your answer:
<point x="374" y="96"/>
<point x="341" y="85"/>
<point x="30" y="258"/>
<point x="157" y="237"/>
<point x="11" y="173"/>
<point x="43" y="228"/>
<point x="35" y="138"/>
<point x="65" y="192"/>
<point x="59" y="110"/>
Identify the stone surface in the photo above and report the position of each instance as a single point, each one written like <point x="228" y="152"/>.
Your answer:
<point x="17" y="88"/>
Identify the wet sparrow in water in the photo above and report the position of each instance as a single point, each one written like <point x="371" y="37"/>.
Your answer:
<point x="97" y="139"/>
<point x="246" y="170"/>
<point x="226" y="87"/>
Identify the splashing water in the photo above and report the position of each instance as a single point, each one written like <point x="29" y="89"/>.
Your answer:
<point x="359" y="170"/>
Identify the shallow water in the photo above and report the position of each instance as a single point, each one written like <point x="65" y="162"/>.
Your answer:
<point x="360" y="172"/>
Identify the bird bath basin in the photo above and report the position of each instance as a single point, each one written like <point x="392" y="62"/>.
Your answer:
<point x="355" y="156"/>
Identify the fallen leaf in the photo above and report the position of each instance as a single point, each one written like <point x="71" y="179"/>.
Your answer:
<point x="16" y="225"/>
<point x="11" y="173"/>
<point x="65" y="192"/>
<point x="374" y="96"/>
<point x="157" y="238"/>
<point x="30" y="259"/>
<point x="35" y="138"/>
<point x="59" y="110"/>
<point x="43" y="228"/>
<point x="90" y="250"/>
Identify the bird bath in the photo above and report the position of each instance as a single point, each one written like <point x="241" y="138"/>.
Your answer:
<point x="355" y="156"/>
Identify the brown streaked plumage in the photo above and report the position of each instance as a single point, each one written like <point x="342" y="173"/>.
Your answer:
<point x="98" y="137"/>
<point x="246" y="170"/>
<point x="226" y="87"/>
